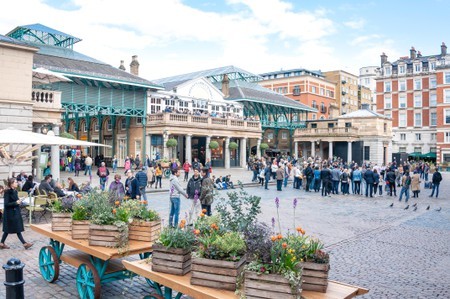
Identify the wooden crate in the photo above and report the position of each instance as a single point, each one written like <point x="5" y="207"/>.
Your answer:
<point x="147" y="231"/>
<point x="171" y="260"/>
<point x="80" y="229"/>
<point x="216" y="273"/>
<point x="268" y="286"/>
<point x="61" y="221"/>
<point x="315" y="277"/>
<point x="106" y="235"/>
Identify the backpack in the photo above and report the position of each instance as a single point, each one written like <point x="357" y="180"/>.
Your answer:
<point x="408" y="181"/>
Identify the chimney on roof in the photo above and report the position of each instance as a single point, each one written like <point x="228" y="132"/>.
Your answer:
<point x="225" y="86"/>
<point x="122" y="67"/>
<point x="443" y="49"/>
<point x="419" y="54"/>
<point x="134" y="65"/>
<point x="383" y="58"/>
<point x="412" y="53"/>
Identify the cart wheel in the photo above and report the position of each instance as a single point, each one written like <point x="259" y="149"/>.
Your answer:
<point x="88" y="282"/>
<point x="167" y="172"/>
<point x="49" y="263"/>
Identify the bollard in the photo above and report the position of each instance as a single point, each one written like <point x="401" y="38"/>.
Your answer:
<point x="14" y="279"/>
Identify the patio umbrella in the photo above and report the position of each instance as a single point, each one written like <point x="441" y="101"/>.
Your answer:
<point x="16" y="144"/>
<point x="46" y="76"/>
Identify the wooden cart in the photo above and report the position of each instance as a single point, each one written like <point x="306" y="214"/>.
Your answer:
<point x="96" y="264"/>
<point x="165" y="284"/>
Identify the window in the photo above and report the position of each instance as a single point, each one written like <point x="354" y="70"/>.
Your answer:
<point x="388" y="114"/>
<point x="139" y="120"/>
<point x="284" y="135"/>
<point x="322" y="91"/>
<point x="387" y="86"/>
<point x="432" y="82"/>
<point x="402" y="120"/>
<point x="402" y="85"/>
<point x="403" y="136"/>
<point x="108" y="150"/>
<point x="385" y="127"/>
<point x="447" y="116"/>
<point x="418" y="149"/>
<point x="296" y="91"/>
<point x="418" y="136"/>
<point x="83" y="127"/>
<point x="401" y="69"/>
<point x="433" y="102"/>
<point x="137" y="146"/>
<point x="270" y="136"/>
<point x="123" y="124"/>
<point x="447" y="78"/>
<point x="418" y="100"/>
<point x="417" y="67"/>
<point x="402" y="101"/>
<point x="432" y="66"/>
<point x="314" y="116"/>
<point x="446" y="95"/>
<point x="447" y="137"/>
<point x="367" y="153"/>
<point x="433" y="149"/>
<point x="402" y="149"/>
<point x="109" y="125"/>
<point x="387" y="102"/>
<point x="314" y="104"/>
<point x="417" y="84"/>
<point x="313" y="89"/>
<point x="418" y="119"/>
<point x="387" y="71"/>
<point x="285" y="90"/>
<point x="96" y="127"/>
<point x="433" y="119"/>
<point x="433" y="136"/>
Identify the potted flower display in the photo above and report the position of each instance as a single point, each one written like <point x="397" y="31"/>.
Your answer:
<point x="220" y="256"/>
<point x="82" y="212"/>
<point x="145" y="224"/>
<point x="109" y="224"/>
<point x="172" y="251"/>
<point x="315" y="267"/>
<point x="62" y="214"/>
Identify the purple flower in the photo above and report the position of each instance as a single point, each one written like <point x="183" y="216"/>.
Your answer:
<point x="273" y="222"/>
<point x="171" y="190"/>
<point x="295" y="202"/>
<point x="277" y="202"/>
<point x="196" y="196"/>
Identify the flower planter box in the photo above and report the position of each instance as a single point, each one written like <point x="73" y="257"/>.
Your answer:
<point x="268" y="286"/>
<point x="61" y="221"/>
<point x="171" y="260"/>
<point x="107" y="235"/>
<point x="80" y="229"/>
<point x="147" y="231"/>
<point x="315" y="276"/>
<point x="216" y="273"/>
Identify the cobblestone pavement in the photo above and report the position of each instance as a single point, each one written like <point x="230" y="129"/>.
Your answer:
<point x="395" y="253"/>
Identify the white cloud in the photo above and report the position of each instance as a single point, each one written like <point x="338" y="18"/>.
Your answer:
<point x="355" y="24"/>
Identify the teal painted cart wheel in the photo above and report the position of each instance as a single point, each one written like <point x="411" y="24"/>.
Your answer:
<point x="49" y="263"/>
<point x="88" y="282"/>
<point x="167" y="173"/>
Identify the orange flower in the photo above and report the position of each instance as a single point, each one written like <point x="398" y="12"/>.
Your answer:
<point x="284" y="245"/>
<point x="114" y="211"/>
<point x="145" y="202"/>
<point x="202" y="215"/>
<point x="181" y="225"/>
<point x="204" y="211"/>
<point x="79" y="195"/>
<point x="299" y="229"/>
<point x="183" y="221"/>
<point x="196" y="231"/>
<point x="214" y="226"/>
<point x="302" y="232"/>
<point x="117" y="202"/>
<point x="279" y="237"/>
<point x="273" y="238"/>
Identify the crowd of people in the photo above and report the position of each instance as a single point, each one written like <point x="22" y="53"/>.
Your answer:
<point x="334" y="176"/>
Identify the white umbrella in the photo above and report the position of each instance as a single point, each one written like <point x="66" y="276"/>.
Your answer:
<point x="46" y="76"/>
<point x="12" y="139"/>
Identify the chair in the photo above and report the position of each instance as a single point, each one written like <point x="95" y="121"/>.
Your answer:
<point x="40" y="206"/>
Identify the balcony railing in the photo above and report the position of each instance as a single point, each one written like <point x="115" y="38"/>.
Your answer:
<point x="202" y="122"/>
<point x="46" y="98"/>
<point x="328" y="131"/>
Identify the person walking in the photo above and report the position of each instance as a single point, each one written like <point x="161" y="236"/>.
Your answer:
<point x="390" y="180"/>
<point x="158" y="175"/>
<point x="150" y="176"/>
<point x="406" y="184"/>
<point x="415" y="184"/>
<point x="376" y="181"/>
<point x="103" y="174"/>
<point x="193" y="191"/>
<point x="279" y="176"/>
<point x="116" y="188"/>
<point x="174" y="194"/>
<point x="207" y="192"/>
<point x="325" y="176"/>
<point x="12" y="217"/>
<point x="114" y="164"/>
<point x="345" y="179"/>
<point x="88" y="166"/>
<point x="77" y="165"/>
<point x="436" y="180"/>
<point x="186" y="168"/>
<point x="137" y="162"/>
<point x="267" y="176"/>
<point x="356" y="178"/>
<point x="369" y="179"/>
<point x="127" y="164"/>
<point x="316" y="179"/>
<point x="132" y="186"/>
<point x="309" y="175"/>
<point x="142" y="180"/>
<point x="335" y="178"/>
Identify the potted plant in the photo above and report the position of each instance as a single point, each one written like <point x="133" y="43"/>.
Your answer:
<point x="233" y="145"/>
<point x="172" y="252"/>
<point x="171" y="144"/>
<point x="109" y="224"/>
<point x="315" y="267"/>
<point x="263" y="146"/>
<point x="145" y="224"/>
<point x="82" y="211"/>
<point x="220" y="256"/>
<point x="213" y="145"/>
<point x="62" y="214"/>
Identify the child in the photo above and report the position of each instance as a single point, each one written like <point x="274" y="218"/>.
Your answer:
<point x="381" y="186"/>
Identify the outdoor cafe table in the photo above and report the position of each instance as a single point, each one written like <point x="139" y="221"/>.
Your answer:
<point x="182" y="285"/>
<point x="96" y="264"/>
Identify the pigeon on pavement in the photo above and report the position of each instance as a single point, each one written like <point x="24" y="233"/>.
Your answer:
<point x="415" y="205"/>
<point x="415" y="209"/>
<point x="392" y="204"/>
<point x="438" y="210"/>
<point x="407" y="207"/>
<point x="428" y="208"/>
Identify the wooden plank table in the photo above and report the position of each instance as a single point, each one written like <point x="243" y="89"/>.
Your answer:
<point x="182" y="285"/>
<point x="96" y="264"/>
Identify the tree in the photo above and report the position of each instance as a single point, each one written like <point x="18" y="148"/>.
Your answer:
<point x="233" y="145"/>
<point x="213" y="145"/>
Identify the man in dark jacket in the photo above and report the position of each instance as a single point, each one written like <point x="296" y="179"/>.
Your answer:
<point x="325" y="176"/>
<point x="142" y="179"/>
<point x="390" y="179"/>
<point x="369" y="178"/>
<point x="193" y="191"/>
<point x="131" y="186"/>
<point x="436" y="179"/>
<point x="309" y="173"/>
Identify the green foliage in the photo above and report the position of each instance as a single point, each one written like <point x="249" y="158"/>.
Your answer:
<point x="177" y="238"/>
<point x="240" y="210"/>
<point x="233" y="145"/>
<point x="66" y="135"/>
<point x="102" y="209"/>
<point x="230" y="246"/>
<point x="63" y="205"/>
<point x="82" y="209"/>
<point x="213" y="145"/>
<point x="172" y="142"/>
<point x="263" y="146"/>
<point x="138" y="210"/>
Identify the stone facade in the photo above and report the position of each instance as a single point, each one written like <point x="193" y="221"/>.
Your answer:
<point x="346" y="90"/>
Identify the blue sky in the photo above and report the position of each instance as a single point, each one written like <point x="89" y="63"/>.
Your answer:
<point x="173" y="37"/>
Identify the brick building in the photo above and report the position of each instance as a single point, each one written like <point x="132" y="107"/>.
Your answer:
<point x="346" y="90"/>
<point x="415" y="91"/>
